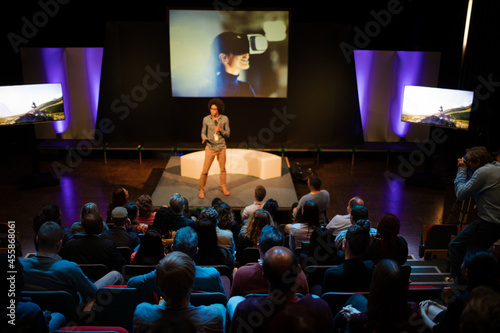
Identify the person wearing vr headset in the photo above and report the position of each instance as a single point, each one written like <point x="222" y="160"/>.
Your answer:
<point x="478" y="177"/>
<point x="230" y="54"/>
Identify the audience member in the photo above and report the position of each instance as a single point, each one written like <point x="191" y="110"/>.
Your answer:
<point x="342" y="222"/>
<point x="358" y="212"/>
<point x="47" y="271"/>
<point x="388" y="244"/>
<point x="316" y="194"/>
<point x="133" y="213"/>
<point x="482" y="312"/>
<point x="119" y="198"/>
<point x="353" y="274"/>
<point x="176" y="203"/>
<point x="51" y="213"/>
<point x="479" y="268"/>
<point x="309" y="221"/>
<point x="88" y="208"/>
<point x="322" y="250"/>
<point x="250" y="232"/>
<point x="122" y="232"/>
<point x="272" y="207"/>
<point x="150" y="251"/>
<point x="224" y="236"/>
<point x="280" y="268"/>
<point x="21" y="314"/>
<point x="187" y="211"/>
<point x="387" y="308"/>
<point x="248" y="279"/>
<point x="226" y="219"/>
<point x="175" y="277"/>
<point x="209" y="252"/>
<point x="206" y="278"/>
<point x="165" y="223"/>
<point x="91" y="248"/>
<point x="145" y="213"/>
<point x="259" y="195"/>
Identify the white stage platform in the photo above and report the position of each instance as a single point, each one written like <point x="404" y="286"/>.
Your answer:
<point x="241" y="187"/>
<point x="238" y="161"/>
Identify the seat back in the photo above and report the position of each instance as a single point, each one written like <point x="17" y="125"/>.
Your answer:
<point x="55" y="301"/>
<point x="418" y="294"/>
<point x="315" y="274"/>
<point x="116" y="306"/>
<point x="129" y="271"/>
<point x="207" y="298"/>
<point x="250" y="254"/>
<point x="94" y="271"/>
<point x="438" y="236"/>
<point x="93" y="329"/>
<point x="126" y="252"/>
<point x="336" y="300"/>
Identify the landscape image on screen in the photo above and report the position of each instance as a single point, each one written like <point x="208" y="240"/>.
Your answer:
<point x="437" y="106"/>
<point x="228" y="53"/>
<point x="31" y="103"/>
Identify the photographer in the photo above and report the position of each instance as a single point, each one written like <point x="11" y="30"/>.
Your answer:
<point x="478" y="176"/>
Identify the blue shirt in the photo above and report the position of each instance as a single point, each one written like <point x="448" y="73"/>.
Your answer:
<point x="48" y="272"/>
<point x="484" y="186"/>
<point x="209" y="318"/>
<point x="206" y="279"/>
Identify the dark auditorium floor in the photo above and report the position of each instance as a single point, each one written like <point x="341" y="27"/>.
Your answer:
<point x="90" y="179"/>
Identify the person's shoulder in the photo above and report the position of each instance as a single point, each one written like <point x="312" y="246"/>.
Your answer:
<point x="205" y="271"/>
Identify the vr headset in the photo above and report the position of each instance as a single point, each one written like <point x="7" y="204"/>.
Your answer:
<point x="230" y="42"/>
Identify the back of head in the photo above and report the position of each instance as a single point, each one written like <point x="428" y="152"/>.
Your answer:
<point x="207" y="235"/>
<point x="132" y="210"/>
<point x="176" y="203"/>
<point x="271" y="206"/>
<point x="481" y="268"/>
<point x="164" y="221"/>
<point x="359" y="212"/>
<point x="211" y="214"/>
<point x="256" y="222"/>
<point x="49" y="234"/>
<point x="280" y="267"/>
<point x="175" y="275"/>
<point x="186" y="241"/>
<point x="388" y="299"/>
<point x="151" y="250"/>
<point x="119" y="216"/>
<point x="260" y="192"/>
<point x="47" y="213"/>
<point x="310" y="213"/>
<point x="356" y="201"/>
<point x="145" y="205"/>
<point x="388" y="226"/>
<point x="358" y="239"/>
<point x="225" y="215"/>
<point x="315" y="182"/>
<point x="482" y="312"/>
<point x="88" y="208"/>
<point x="480" y="154"/>
<point x="270" y="237"/>
<point x="119" y="197"/>
<point x="92" y="223"/>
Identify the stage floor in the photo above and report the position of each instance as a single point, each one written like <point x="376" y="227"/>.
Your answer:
<point x="241" y="187"/>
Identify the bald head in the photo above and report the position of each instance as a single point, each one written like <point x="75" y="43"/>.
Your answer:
<point x="354" y="201"/>
<point x="280" y="268"/>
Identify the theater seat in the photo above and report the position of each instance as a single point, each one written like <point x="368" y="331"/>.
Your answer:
<point x="435" y="240"/>
<point x="207" y="298"/>
<point x="55" y="301"/>
<point x="93" y="329"/>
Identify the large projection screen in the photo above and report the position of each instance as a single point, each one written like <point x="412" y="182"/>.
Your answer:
<point x="228" y="53"/>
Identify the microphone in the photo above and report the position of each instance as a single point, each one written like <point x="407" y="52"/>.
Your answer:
<point x="216" y="135"/>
